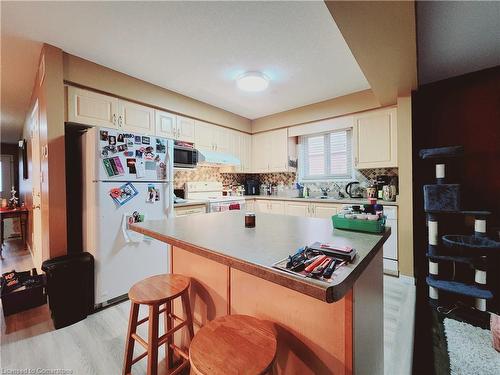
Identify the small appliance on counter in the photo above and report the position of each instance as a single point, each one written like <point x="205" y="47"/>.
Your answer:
<point x="350" y="192"/>
<point x="252" y="187"/>
<point x="381" y="181"/>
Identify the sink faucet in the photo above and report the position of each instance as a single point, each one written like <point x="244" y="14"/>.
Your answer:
<point x="325" y="191"/>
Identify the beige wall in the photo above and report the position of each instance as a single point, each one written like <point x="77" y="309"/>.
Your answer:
<point x="405" y="198"/>
<point x="50" y="97"/>
<point x="89" y="74"/>
<point x="343" y="105"/>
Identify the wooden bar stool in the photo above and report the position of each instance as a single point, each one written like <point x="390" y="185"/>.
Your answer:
<point x="154" y="292"/>
<point x="233" y="344"/>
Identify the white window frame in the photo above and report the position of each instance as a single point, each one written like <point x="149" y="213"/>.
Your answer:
<point x="303" y="158"/>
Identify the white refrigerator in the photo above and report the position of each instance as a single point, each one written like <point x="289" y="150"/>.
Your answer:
<point x="127" y="178"/>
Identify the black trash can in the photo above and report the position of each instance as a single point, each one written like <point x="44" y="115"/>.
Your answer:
<point x="70" y="287"/>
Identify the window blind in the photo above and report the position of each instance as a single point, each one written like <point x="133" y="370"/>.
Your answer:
<point x="326" y="156"/>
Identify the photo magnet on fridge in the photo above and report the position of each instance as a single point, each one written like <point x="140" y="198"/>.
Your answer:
<point x="140" y="169"/>
<point x="138" y="154"/>
<point x="129" y="154"/>
<point x="130" y="142"/>
<point x="112" y="140"/>
<point x="162" y="171"/>
<point x="150" y="165"/>
<point x="103" y="135"/>
<point x="121" y="148"/>
<point x="131" y="165"/>
<point x="153" y="194"/>
<point x="137" y="140"/>
<point x="120" y="137"/>
<point x="146" y="140"/>
<point x="128" y="135"/>
<point x="123" y="194"/>
<point x="161" y="148"/>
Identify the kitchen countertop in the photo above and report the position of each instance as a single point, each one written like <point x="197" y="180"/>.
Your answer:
<point x="223" y="237"/>
<point x="191" y="202"/>
<point x="318" y="200"/>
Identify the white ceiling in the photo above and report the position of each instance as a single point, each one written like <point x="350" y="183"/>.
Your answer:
<point x="194" y="48"/>
<point x="456" y="37"/>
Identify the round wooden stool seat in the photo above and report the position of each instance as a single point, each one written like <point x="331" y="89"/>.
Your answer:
<point x="233" y="344"/>
<point x="158" y="289"/>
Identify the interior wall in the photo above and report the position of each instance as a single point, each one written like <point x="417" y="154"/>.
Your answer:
<point x="463" y="110"/>
<point x="405" y="197"/>
<point x="49" y="92"/>
<point x="343" y="105"/>
<point x="89" y="74"/>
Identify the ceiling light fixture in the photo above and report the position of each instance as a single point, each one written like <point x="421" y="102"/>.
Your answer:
<point x="252" y="82"/>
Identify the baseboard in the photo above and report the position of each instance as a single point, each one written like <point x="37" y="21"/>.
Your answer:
<point x="407" y="279"/>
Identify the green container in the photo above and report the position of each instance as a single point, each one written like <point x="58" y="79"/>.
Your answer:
<point x="370" y="226"/>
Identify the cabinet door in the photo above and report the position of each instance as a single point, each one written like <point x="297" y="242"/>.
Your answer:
<point x="297" y="208"/>
<point x="277" y="207"/>
<point x="375" y="139"/>
<point x="90" y="108"/>
<point x="222" y="139"/>
<point x="391" y="245"/>
<point x="260" y="152"/>
<point x="324" y="210"/>
<point x="185" y="129"/>
<point x="165" y="124"/>
<point x="278" y="152"/>
<point x="136" y="118"/>
<point x="262" y="206"/>
<point x="246" y="151"/>
<point x="203" y="136"/>
<point x="250" y="205"/>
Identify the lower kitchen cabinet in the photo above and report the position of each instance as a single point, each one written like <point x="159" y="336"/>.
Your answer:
<point x="190" y="210"/>
<point x="297" y="208"/>
<point x="270" y="207"/>
<point x="310" y="209"/>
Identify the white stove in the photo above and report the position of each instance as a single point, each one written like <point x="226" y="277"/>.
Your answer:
<point x="212" y="191"/>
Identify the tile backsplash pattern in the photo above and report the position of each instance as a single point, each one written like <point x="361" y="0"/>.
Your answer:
<point x="364" y="176"/>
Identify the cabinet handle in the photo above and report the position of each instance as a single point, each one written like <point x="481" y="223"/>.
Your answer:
<point x="120" y="121"/>
<point x="114" y="118"/>
<point x="356" y="160"/>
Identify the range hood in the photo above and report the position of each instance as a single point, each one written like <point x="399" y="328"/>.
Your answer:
<point x="214" y="158"/>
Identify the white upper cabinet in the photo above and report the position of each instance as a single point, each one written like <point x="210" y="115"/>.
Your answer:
<point x="185" y="129"/>
<point x="90" y="108"/>
<point x="375" y="139"/>
<point x="204" y="136"/>
<point x="172" y="126"/>
<point x="271" y="151"/>
<point x="166" y="124"/>
<point x="136" y="118"/>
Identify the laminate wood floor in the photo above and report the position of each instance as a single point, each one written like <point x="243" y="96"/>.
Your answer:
<point x="96" y="344"/>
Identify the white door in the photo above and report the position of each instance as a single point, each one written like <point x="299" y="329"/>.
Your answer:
<point x="185" y="129"/>
<point x="297" y="208"/>
<point x="90" y="108"/>
<point x="203" y="134"/>
<point x="136" y="118"/>
<point x="324" y="210"/>
<point x="36" y="178"/>
<point x="118" y="263"/>
<point x="165" y="124"/>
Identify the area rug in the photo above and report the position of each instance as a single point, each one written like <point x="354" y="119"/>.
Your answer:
<point x="470" y="350"/>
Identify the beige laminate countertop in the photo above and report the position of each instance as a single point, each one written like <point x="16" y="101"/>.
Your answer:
<point x="222" y="237"/>
<point x="317" y="200"/>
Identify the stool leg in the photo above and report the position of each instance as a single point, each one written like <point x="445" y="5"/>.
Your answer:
<point x="129" y="346"/>
<point x="187" y="310"/>
<point x="168" y="327"/>
<point x="153" y="340"/>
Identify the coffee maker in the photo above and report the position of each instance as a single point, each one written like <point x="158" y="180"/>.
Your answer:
<point x="252" y="187"/>
<point x="380" y="182"/>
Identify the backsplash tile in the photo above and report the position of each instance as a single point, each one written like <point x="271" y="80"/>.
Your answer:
<point x="364" y="177"/>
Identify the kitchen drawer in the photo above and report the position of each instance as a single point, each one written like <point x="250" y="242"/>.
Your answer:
<point x="391" y="267"/>
<point x="190" y="210"/>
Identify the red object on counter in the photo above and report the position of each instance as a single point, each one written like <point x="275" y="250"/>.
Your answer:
<point x="234" y="206"/>
<point x="316" y="263"/>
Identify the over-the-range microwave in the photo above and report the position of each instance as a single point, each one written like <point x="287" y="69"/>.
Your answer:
<point x="185" y="156"/>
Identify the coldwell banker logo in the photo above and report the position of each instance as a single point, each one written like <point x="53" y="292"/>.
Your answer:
<point x="27" y="371"/>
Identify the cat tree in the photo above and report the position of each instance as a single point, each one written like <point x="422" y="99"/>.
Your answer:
<point x="441" y="200"/>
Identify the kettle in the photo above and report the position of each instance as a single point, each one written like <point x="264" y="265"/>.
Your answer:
<point x="348" y="190"/>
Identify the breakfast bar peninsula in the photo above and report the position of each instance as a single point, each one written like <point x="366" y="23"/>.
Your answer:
<point x="323" y="327"/>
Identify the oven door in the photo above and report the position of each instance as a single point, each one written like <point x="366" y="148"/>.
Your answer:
<point x="185" y="157"/>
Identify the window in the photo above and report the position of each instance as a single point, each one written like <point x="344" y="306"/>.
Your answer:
<point x="326" y="156"/>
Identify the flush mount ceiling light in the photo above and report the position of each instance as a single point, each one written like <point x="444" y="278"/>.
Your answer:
<point x="252" y="82"/>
